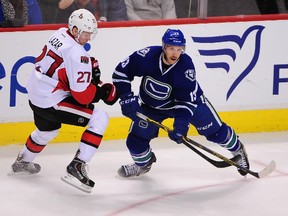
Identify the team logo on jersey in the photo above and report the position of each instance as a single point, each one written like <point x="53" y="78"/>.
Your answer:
<point x="143" y="124"/>
<point x="190" y="74"/>
<point x="156" y="89"/>
<point x="84" y="59"/>
<point x="226" y="49"/>
<point x="143" y="52"/>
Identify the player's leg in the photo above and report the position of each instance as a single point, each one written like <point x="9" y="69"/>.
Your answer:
<point x="209" y="124"/>
<point x="47" y="129"/>
<point x="70" y="112"/>
<point x="138" y="144"/>
<point x="143" y="157"/>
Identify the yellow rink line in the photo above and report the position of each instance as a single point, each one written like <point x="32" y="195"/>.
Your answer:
<point x="241" y="121"/>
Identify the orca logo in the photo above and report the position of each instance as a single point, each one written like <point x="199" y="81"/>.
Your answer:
<point x="226" y="48"/>
<point x="190" y="74"/>
<point x="143" y="124"/>
<point x="156" y="89"/>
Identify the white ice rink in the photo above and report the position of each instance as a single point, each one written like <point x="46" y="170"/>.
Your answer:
<point x="180" y="183"/>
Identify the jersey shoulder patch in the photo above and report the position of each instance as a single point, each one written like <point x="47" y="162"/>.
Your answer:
<point x="143" y="52"/>
<point x="190" y="74"/>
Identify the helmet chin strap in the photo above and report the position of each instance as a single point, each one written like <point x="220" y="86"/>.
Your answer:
<point x="79" y="33"/>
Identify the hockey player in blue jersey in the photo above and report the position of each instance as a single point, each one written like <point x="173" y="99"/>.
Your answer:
<point x="168" y="89"/>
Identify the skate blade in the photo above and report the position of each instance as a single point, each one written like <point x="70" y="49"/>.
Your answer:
<point x="71" y="180"/>
<point x="23" y="173"/>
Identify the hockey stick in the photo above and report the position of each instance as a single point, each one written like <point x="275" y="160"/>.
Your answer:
<point x="232" y="162"/>
<point x="218" y="164"/>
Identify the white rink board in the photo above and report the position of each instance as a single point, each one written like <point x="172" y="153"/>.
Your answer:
<point x="261" y="54"/>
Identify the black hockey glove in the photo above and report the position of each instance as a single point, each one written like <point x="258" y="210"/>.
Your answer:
<point x="96" y="73"/>
<point x="177" y="133"/>
<point x="111" y="94"/>
<point x="129" y="106"/>
<point x="99" y="94"/>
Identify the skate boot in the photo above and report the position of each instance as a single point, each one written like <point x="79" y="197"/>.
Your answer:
<point x="77" y="176"/>
<point x="243" y="162"/>
<point x="20" y="167"/>
<point x="132" y="170"/>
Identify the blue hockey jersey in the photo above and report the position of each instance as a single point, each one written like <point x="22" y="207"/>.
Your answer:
<point x="174" y="88"/>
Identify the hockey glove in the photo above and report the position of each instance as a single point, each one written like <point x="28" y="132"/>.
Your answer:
<point x="111" y="94"/>
<point x="129" y="106"/>
<point x="179" y="131"/>
<point x="175" y="136"/>
<point x="99" y="94"/>
<point x="96" y="73"/>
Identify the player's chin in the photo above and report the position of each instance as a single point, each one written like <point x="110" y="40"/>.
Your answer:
<point x="83" y="42"/>
<point x="172" y="61"/>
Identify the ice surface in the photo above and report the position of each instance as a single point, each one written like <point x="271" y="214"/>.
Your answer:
<point x="179" y="183"/>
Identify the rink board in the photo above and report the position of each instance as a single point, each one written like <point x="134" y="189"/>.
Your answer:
<point x="241" y="121"/>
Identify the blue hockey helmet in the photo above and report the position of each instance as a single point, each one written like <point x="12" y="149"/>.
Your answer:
<point x="173" y="37"/>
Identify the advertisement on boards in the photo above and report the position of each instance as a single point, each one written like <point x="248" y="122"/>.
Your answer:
<point x="240" y="66"/>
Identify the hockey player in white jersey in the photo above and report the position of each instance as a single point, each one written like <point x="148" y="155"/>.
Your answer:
<point x="61" y="90"/>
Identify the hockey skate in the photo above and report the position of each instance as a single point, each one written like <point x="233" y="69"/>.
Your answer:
<point x="132" y="170"/>
<point x="20" y="167"/>
<point x="243" y="162"/>
<point x="77" y="176"/>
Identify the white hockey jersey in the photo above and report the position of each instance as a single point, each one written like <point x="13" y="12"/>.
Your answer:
<point x="61" y="70"/>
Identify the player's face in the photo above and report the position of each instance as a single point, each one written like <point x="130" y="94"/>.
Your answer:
<point x="84" y="37"/>
<point x="172" y="53"/>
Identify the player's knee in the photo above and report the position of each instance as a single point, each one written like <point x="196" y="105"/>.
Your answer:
<point x="222" y="135"/>
<point x="98" y="122"/>
<point x="143" y="130"/>
<point x="43" y="137"/>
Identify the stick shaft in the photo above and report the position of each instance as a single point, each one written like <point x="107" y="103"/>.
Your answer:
<point x="233" y="162"/>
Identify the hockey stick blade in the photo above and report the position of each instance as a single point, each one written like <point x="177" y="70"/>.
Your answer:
<point x="232" y="162"/>
<point x="267" y="170"/>
<point x="218" y="164"/>
<point x="263" y="173"/>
